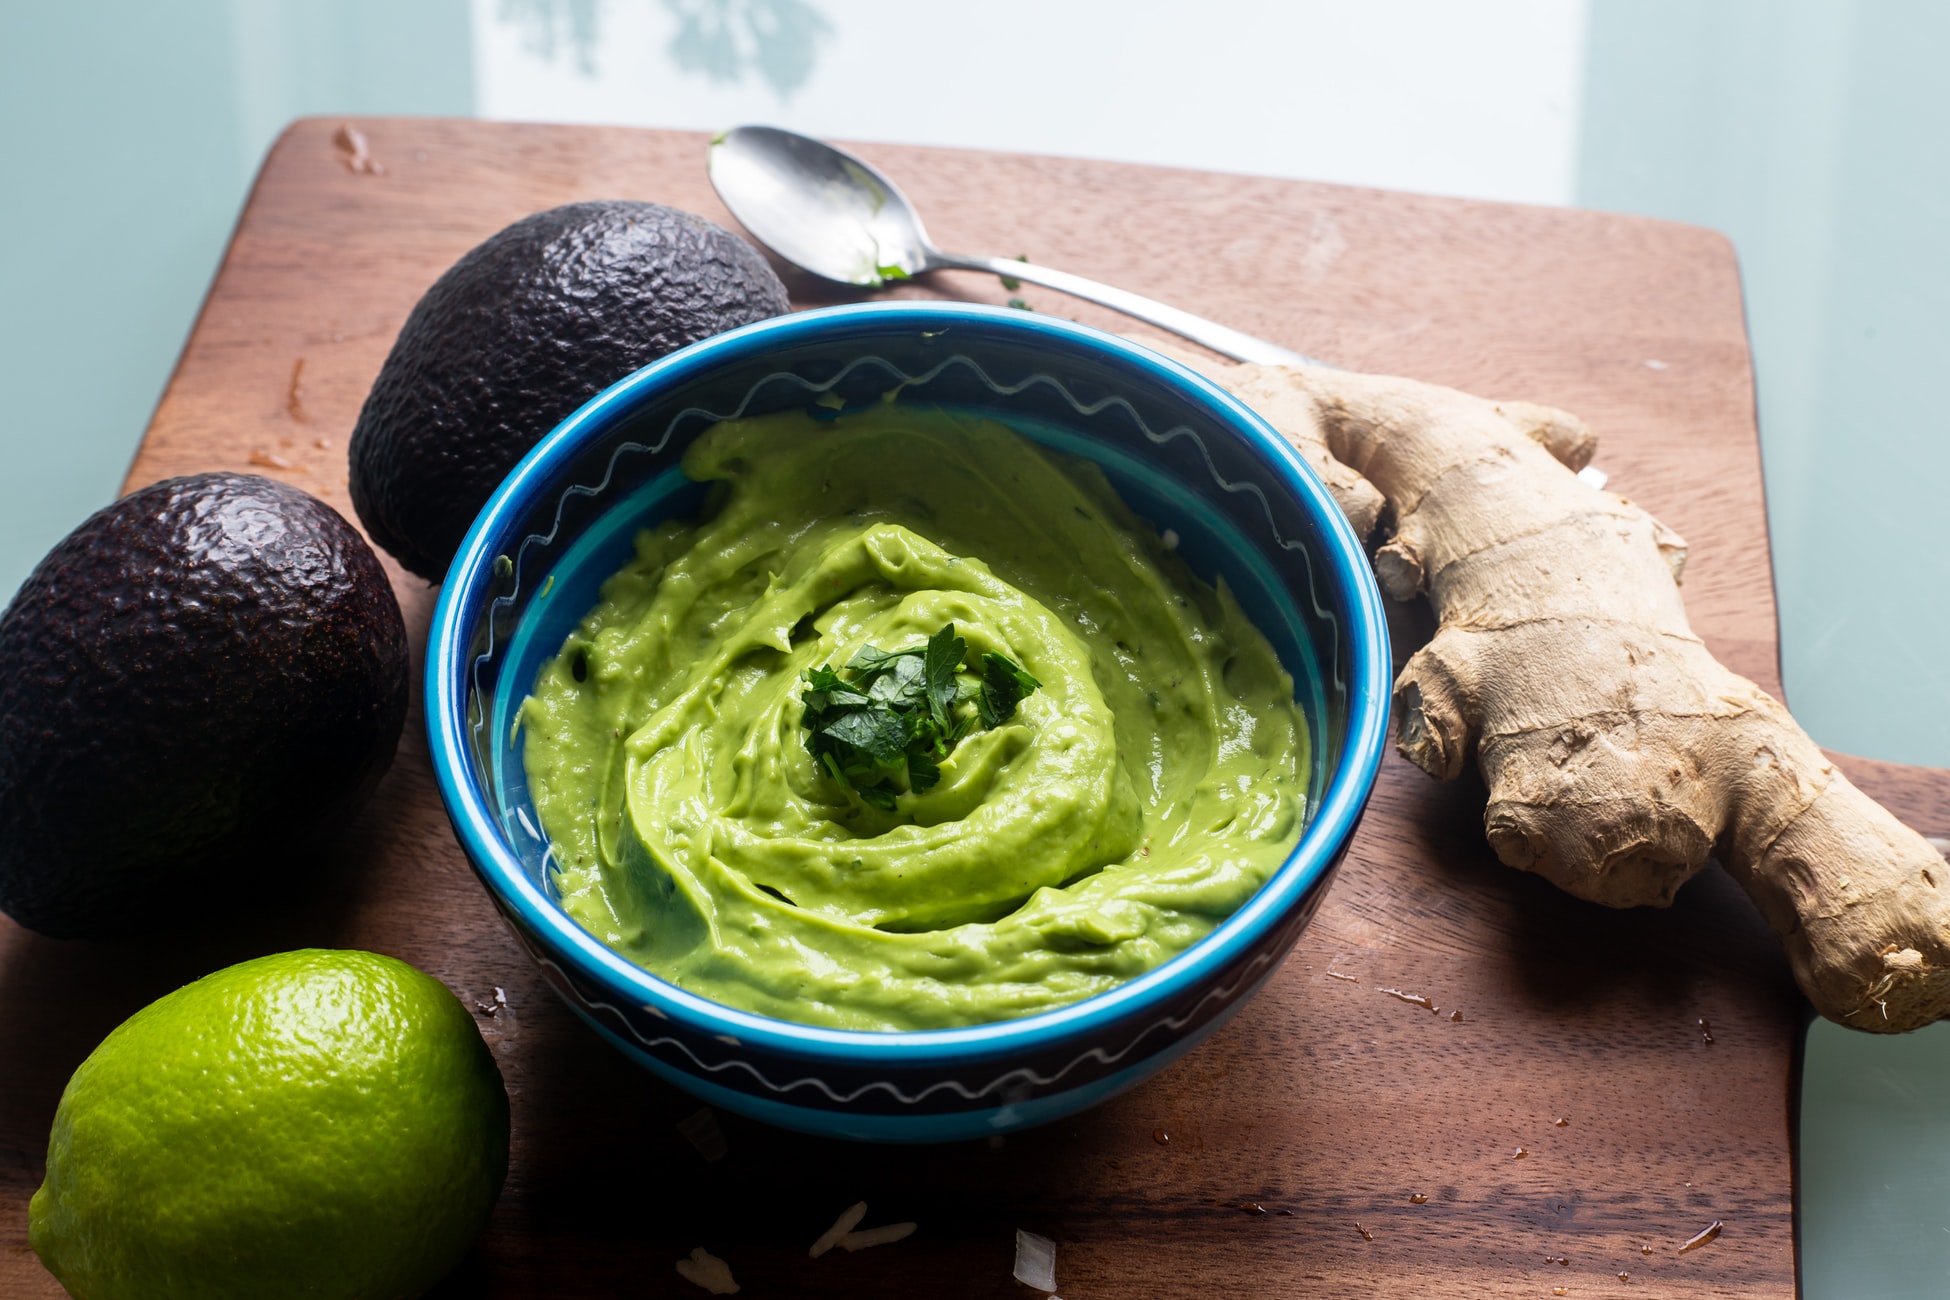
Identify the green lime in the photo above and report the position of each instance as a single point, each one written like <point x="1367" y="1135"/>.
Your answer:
<point x="311" y="1123"/>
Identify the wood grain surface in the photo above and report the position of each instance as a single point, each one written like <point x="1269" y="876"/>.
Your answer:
<point x="1616" y="1081"/>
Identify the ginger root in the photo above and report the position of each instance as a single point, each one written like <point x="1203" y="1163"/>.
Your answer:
<point x="1619" y="754"/>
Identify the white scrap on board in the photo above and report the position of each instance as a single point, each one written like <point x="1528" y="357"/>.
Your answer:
<point x="708" y="1271"/>
<point x="1705" y="1236"/>
<point x="849" y="1220"/>
<point x="885" y="1234"/>
<point x="1035" y="1261"/>
<point x="700" y="1129"/>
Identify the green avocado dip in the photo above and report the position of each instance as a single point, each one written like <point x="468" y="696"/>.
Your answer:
<point x="1146" y="786"/>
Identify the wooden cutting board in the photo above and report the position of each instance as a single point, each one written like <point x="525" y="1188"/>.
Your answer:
<point x="1616" y="1081"/>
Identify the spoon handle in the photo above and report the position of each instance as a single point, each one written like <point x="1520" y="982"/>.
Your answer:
<point x="1221" y="339"/>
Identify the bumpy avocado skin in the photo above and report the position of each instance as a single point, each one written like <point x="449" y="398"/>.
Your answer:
<point x="194" y="684"/>
<point x="515" y="336"/>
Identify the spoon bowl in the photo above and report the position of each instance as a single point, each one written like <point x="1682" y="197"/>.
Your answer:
<point x="819" y="208"/>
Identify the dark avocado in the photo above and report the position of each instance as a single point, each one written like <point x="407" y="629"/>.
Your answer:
<point x="194" y="684"/>
<point x="519" y="333"/>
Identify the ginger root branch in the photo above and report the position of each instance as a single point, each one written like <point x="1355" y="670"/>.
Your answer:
<point x="1618" y="753"/>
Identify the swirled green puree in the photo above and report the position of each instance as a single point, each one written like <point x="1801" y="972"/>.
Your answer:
<point x="1145" y="787"/>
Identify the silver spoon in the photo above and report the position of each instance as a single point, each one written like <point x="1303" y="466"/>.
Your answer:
<point x="825" y="211"/>
<point x="828" y="212"/>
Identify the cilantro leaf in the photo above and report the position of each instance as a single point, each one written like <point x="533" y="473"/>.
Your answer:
<point x="880" y="734"/>
<point x="1004" y="683"/>
<point x="885" y="727"/>
<point x="903" y="682"/>
<point x="944" y="655"/>
<point x="872" y="659"/>
<point x="923" y="773"/>
<point x="827" y="691"/>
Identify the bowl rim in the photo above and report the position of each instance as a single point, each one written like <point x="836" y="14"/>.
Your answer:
<point x="1344" y="571"/>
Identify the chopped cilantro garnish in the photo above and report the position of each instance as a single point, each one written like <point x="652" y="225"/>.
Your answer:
<point x="891" y="272"/>
<point x="1020" y="305"/>
<point x="1010" y="282"/>
<point x="885" y="728"/>
<point x="1004" y="683"/>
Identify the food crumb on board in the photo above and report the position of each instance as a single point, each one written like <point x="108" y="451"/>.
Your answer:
<point x="356" y="153"/>
<point x="1161" y="1137"/>
<point x="708" y="1271"/>
<point x="700" y="1128"/>
<point x="884" y="1235"/>
<point x="1035" y="1261"/>
<point x="1705" y="1033"/>
<point x="1560" y="1121"/>
<point x="1365" y="1234"/>
<point x="1558" y="1259"/>
<point x="1705" y="1236"/>
<point x="1336" y="975"/>
<point x="1413" y="999"/>
<point x="1252" y="1207"/>
<point x="1418" y="1198"/>
<point x="270" y="460"/>
<point x="849" y="1220"/>
<point x="1521" y="1153"/>
<point x="1560" y="1290"/>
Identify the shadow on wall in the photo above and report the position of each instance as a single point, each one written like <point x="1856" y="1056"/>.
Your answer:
<point x="718" y="39"/>
<point x="550" y="25"/>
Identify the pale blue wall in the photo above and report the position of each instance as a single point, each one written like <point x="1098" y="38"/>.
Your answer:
<point x="129" y="133"/>
<point x="1812" y="132"/>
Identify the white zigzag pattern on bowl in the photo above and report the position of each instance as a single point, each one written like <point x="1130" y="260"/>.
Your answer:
<point x="1170" y="1023"/>
<point x="1081" y="408"/>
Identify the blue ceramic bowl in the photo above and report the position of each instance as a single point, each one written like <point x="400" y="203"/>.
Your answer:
<point x="1182" y="452"/>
